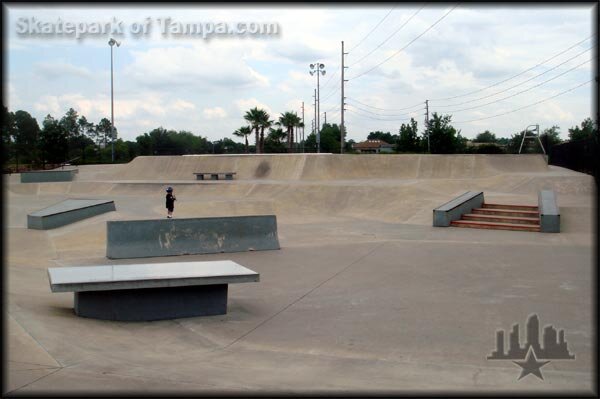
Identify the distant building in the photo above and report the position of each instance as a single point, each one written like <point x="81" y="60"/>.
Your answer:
<point x="373" y="147"/>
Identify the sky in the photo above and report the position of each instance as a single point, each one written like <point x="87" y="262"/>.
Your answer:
<point x="492" y="67"/>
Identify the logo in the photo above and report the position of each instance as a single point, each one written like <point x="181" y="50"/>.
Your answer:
<point x="553" y="347"/>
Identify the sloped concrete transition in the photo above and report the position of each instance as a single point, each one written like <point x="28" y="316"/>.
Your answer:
<point x="365" y="295"/>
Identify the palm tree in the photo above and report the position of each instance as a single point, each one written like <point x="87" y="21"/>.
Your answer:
<point x="289" y="120"/>
<point x="264" y="123"/>
<point x="253" y="116"/>
<point x="244" y="131"/>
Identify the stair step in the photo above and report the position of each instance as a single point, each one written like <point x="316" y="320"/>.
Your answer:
<point x="500" y="219"/>
<point x="507" y="206"/>
<point x="495" y="226"/>
<point x="505" y="212"/>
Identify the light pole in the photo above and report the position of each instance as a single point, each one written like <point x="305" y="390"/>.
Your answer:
<point x="111" y="43"/>
<point x="319" y="69"/>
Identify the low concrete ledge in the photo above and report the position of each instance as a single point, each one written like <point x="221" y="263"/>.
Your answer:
<point x="46" y="176"/>
<point x="167" y="237"/>
<point x="549" y="212"/>
<point x="452" y="210"/>
<point x="146" y="292"/>
<point x="66" y="212"/>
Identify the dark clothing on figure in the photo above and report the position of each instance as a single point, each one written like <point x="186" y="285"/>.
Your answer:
<point x="170" y="202"/>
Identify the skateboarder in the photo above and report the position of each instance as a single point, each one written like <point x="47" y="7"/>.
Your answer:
<point x="170" y="199"/>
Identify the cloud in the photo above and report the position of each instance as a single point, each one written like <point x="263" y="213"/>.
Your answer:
<point x="210" y="66"/>
<point x="244" y="105"/>
<point x="214" y="113"/>
<point x="58" y="70"/>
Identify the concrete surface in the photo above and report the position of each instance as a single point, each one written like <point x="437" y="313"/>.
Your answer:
<point x="365" y="296"/>
<point x="189" y="236"/>
<point x="66" y="212"/>
<point x="54" y="175"/>
<point x="153" y="275"/>
<point x="452" y="210"/>
<point x="549" y="212"/>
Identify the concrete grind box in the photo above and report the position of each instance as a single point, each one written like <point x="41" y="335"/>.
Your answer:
<point x="167" y="237"/>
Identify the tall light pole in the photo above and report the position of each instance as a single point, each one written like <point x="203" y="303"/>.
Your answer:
<point x="319" y="69"/>
<point x="111" y="43"/>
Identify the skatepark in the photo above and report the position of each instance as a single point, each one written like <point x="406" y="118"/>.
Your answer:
<point x="363" y="295"/>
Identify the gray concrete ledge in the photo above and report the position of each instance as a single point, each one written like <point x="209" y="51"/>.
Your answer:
<point x="152" y="275"/>
<point x="151" y="304"/>
<point x="167" y="237"/>
<point x="45" y="176"/>
<point x="66" y="212"/>
<point x="549" y="212"/>
<point x="444" y="214"/>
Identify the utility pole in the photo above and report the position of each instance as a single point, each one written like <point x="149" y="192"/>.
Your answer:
<point x="325" y="114"/>
<point x="320" y="70"/>
<point x="302" y="126"/>
<point x="427" y="125"/>
<point x="315" y="123"/>
<point x="342" y="109"/>
<point x="111" y="43"/>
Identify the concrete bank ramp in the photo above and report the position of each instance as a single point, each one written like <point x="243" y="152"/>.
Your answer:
<point x="330" y="166"/>
<point x="166" y="237"/>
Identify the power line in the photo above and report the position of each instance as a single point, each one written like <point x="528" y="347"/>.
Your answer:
<point x="379" y="119"/>
<point x="372" y="30"/>
<point x="375" y="113"/>
<point x="411" y="42"/>
<point x="517" y="85"/>
<point x="335" y="70"/>
<point x="527" y="106"/>
<point x="332" y="93"/>
<point x="512" y="77"/>
<point x="520" y="92"/>
<point x="386" y="109"/>
<point x="390" y="36"/>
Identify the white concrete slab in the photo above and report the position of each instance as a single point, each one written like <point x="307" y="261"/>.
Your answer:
<point x="68" y="205"/>
<point x="112" y="277"/>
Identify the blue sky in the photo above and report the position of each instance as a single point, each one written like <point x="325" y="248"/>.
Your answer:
<point x="205" y="86"/>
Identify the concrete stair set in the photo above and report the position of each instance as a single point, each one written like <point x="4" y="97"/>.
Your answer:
<point x="501" y="217"/>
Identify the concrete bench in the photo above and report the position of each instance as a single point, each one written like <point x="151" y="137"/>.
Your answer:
<point x="45" y="176"/>
<point x="146" y="292"/>
<point x="188" y="236"/>
<point x="66" y="212"/>
<point x="214" y="175"/>
<point x="452" y="210"/>
<point x="549" y="212"/>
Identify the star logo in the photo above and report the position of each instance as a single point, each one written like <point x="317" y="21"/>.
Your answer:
<point x="531" y="365"/>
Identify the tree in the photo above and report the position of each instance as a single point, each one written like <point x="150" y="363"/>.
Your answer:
<point x="387" y="137"/>
<point x="443" y="137"/>
<point x="9" y="130"/>
<point x="330" y="139"/>
<point x="408" y="139"/>
<point x="588" y="130"/>
<point x="485" y="137"/>
<point x="53" y="143"/>
<point x="26" y="139"/>
<point x="550" y="137"/>
<point x="289" y="120"/>
<point x="265" y="122"/>
<point x="253" y="116"/>
<point x="244" y="131"/>
<point x="274" y="141"/>
<point x="103" y="130"/>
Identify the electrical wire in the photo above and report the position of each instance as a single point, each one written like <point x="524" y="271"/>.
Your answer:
<point x="372" y="30"/>
<point x="379" y="119"/>
<point x="520" y="92"/>
<point x="390" y="36"/>
<point x="386" y="109"/>
<point x="406" y="46"/>
<point x="517" y="85"/>
<point x="395" y="115"/>
<point x="527" y="106"/>
<point x="514" y="76"/>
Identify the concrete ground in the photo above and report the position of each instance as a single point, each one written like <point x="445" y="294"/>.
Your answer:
<point x="364" y="296"/>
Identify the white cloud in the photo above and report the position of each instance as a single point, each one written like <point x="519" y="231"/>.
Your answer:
<point x="214" y="113"/>
<point x="56" y="70"/>
<point x="244" y="105"/>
